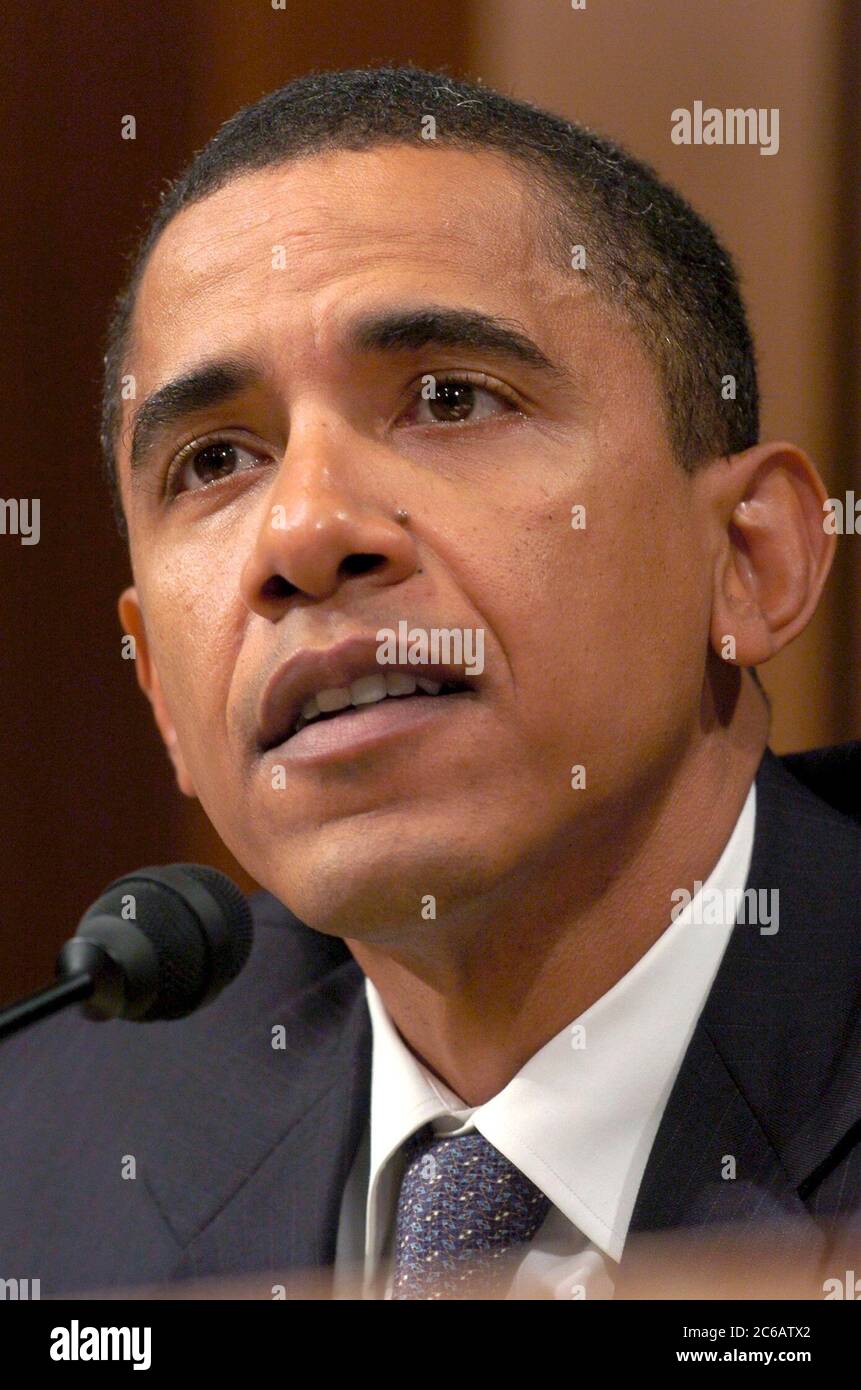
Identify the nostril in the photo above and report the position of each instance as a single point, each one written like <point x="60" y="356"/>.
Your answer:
<point x="277" y="587"/>
<point x="360" y="564"/>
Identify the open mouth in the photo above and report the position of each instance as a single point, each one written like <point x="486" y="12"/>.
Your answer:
<point x="371" y="690"/>
<point x="364" y="693"/>
<point x="343" y="685"/>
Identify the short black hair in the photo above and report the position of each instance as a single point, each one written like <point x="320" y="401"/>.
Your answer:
<point x="646" y="248"/>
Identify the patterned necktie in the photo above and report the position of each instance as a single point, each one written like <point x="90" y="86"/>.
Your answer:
<point x="463" y="1211"/>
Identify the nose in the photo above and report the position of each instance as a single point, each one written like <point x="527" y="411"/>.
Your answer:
<point x="317" y="532"/>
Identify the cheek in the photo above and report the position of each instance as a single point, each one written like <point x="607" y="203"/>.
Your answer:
<point x="192" y="638"/>
<point x="608" y="634"/>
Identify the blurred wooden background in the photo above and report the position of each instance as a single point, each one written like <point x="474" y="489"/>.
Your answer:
<point x="87" y="791"/>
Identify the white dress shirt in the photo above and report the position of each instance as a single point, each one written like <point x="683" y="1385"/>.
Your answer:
<point x="579" y="1118"/>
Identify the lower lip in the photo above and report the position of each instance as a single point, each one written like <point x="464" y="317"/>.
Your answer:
<point x="366" y="727"/>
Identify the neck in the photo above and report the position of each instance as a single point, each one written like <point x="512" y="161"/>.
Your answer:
<point x="475" y="1004"/>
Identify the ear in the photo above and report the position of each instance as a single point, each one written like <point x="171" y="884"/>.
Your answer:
<point x="773" y="552"/>
<point x="131" y="618"/>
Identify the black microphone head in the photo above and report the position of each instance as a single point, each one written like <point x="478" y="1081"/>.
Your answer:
<point x="177" y="933"/>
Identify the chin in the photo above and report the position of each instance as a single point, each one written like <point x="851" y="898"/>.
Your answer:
<point x="350" y="883"/>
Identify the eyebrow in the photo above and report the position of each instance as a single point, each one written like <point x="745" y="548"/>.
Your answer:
<point x="216" y="381"/>
<point x="211" y="383"/>
<point x="406" y="330"/>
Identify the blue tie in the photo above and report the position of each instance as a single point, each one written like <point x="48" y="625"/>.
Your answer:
<point x="464" y="1212"/>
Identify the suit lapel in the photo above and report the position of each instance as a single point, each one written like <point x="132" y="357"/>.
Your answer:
<point x="765" y="1090"/>
<point x="248" y="1150"/>
<point x="248" y="1158"/>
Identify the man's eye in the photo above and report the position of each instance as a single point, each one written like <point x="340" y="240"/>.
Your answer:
<point x="457" y="400"/>
<point x="199" y="465"/>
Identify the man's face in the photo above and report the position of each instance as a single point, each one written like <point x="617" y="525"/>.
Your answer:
<point x="282" y="537"/>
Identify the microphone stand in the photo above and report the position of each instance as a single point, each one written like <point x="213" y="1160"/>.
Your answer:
<point x="84" y="969"/>
<point x="45" y="1002"/>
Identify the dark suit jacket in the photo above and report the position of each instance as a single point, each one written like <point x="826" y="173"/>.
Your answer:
<point x="241" y="1150"/>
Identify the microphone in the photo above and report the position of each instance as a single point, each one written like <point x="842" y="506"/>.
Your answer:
<point x="156" y="944"/>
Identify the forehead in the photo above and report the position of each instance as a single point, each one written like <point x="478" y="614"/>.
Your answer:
<point x="279" y="265"/>
<point x="306" y="238"/>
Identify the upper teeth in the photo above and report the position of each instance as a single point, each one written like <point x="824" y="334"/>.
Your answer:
<point x="367" y="690"/>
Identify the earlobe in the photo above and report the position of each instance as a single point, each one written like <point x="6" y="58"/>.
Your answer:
<point x="775" y="553"/>
<point x="131" y="617"/>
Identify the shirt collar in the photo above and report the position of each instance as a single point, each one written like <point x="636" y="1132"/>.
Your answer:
<point x="580" y="1117"/>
